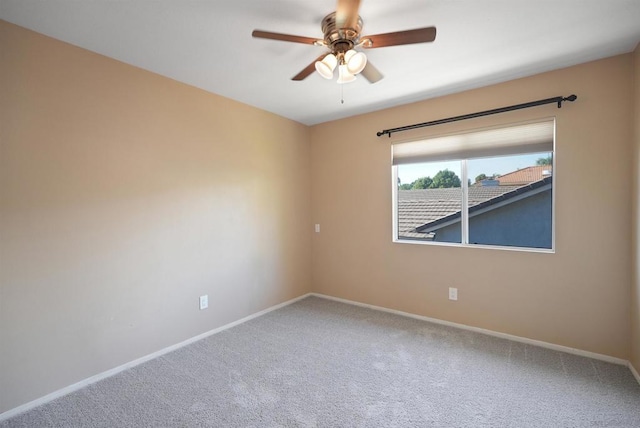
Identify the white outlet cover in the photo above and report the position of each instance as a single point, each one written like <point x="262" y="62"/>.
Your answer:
<point x="453" y="293"/>
<point x="317" y="228"/>
<point x="204" y="302"/>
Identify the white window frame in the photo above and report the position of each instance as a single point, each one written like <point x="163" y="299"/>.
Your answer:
<point x="464" y="217"/>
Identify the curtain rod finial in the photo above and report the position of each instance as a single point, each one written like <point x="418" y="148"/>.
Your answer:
<point x="571" y="98"/>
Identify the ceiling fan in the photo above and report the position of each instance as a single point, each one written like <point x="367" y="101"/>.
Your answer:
<point x="341" y="31"/>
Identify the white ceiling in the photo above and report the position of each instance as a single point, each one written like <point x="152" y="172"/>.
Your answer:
<point x="208" y="44"/>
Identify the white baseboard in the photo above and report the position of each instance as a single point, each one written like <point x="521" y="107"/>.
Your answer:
<point x="634" y="371"/>
<point x="520" y="339"/>
<point x="100" y="376"/>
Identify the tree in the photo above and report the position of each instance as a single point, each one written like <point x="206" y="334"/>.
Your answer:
<point x="545" y="161"/>
<point x="405" y="186"/>
<point x="444" y="179"/>
<point x="481" y="177"/>
<point x="422" y="183"/>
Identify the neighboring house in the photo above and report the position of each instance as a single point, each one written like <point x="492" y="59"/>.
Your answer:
<point x="526" y="175"/>
<point x="507" y="214"/>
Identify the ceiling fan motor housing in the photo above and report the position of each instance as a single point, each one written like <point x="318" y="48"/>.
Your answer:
<point x="340" y="40"/>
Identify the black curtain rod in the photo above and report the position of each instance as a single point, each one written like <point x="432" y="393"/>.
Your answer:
<point x="558" y="100"/>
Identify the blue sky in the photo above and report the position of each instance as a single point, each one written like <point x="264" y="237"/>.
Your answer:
<point x="488" y="166"/>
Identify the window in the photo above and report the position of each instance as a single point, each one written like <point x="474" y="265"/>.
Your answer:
<point x="491" y="187"/>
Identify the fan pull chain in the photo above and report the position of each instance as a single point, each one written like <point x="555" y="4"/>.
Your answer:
<point x="342" y="94"/>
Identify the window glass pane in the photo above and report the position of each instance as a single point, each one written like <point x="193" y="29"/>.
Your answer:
<point x="510" y="200"/>
<point x="429" y="201"/>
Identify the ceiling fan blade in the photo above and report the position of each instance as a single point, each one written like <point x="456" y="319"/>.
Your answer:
<point x="347" y="13"/>
<point x="306" y="72"/>
<point x="420" y="35"/>
<point x="284" y="37"/>
<point x="371" y="73"/>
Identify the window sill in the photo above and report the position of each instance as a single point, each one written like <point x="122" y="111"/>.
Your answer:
<point x="484" y="247"/>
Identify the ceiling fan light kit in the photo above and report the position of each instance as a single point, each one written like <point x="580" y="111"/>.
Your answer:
<point x="341" y="31"/>
<point x="350" y="64"/>
<point x="356" y="61"/>
<point x="344" y="75"/>
<point x="326" y="66"/>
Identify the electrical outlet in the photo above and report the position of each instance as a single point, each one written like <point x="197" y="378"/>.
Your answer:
<point x="453" y="293"/>
<point x="204" y="302"/>
<point x="317" y="228"/>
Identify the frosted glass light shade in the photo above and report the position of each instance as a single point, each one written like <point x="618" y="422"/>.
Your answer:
<point x="344" y="75"/>
<point x="326" y="66"/>
<point x="356" y="61"/>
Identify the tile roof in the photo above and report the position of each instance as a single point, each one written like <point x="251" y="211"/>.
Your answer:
<point x="418" y="209"/>
<point x="526" y="175"/>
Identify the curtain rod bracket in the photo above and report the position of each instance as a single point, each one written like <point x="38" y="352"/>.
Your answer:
<point x="558" y="100"/>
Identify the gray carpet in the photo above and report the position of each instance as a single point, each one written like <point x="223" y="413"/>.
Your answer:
<point x="327" y="364"/>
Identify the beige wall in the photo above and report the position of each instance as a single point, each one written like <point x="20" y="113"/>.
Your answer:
<point x="124" y="197"/>
<point x="635" y="287"/>
<point x="577" y="297"/>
